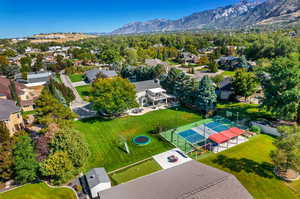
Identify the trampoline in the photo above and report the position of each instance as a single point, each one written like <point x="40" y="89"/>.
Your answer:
<point x="141" y="140"/>
<point x="192" y="136"/>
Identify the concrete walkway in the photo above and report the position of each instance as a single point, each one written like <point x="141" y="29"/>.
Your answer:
<point x="82" y="83"/>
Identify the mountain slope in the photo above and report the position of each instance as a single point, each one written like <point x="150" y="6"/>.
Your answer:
<point x="233" y="16"/>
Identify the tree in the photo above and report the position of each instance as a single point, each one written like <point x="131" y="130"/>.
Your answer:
<point x="212" y="65"/>
<point x="206" y="97"/>
<point x="42" y="147"/>
<point x="58" y="167"/>
<point x="4" y="133"/>
<point x="281" y="85"/>
<point x="159" y="70"/>
<point x="69" y="140"/>
<point x="25" y="64"/>
<point x="6" y="160"/>
<point x="49" y="108"/>
<point x="131" y="56"/>
<point x="218" y="79"/>
<point x="244" y="83"/>
<point x="25" y="163"/>
<point x="287" y="154"/>
<point x="38" y="65"/>
<point x="113" y="96"/>
<point x="203" y="60"/>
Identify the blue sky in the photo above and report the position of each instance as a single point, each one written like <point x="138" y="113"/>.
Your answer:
<point x="26" y="17"/>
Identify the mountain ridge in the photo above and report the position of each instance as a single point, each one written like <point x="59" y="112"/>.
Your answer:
<point x="228" y="17"/>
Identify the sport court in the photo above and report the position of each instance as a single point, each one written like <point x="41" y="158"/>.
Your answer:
<point x="215" y="134"/>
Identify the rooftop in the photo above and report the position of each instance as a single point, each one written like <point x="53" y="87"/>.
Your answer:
<point x="92" y="74"/>
<point x="7" y="107"/>
<point x="146" y="85"/>
<point x="187" y="181"/>
<point x="96" y="176"/>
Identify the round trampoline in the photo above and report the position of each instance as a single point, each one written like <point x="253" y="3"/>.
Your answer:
<point x="141" y="140"/>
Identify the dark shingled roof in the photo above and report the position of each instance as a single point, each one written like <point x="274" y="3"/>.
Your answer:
<point x="191" y="180"/>
<point x="91" y="75"/>
<point x="96" y="176"/>
<point x="145" y="85"/>
<point x="7" y="107"/>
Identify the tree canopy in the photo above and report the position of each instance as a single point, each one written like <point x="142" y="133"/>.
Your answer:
<point x="113" y="96"/>
<point x="281" y="85"/>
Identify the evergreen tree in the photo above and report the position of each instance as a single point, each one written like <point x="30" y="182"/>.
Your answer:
<point x="25" y="162"/>
<point x="206" y="97"/>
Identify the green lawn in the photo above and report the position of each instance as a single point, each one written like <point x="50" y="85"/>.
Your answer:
<point x="250" y="162"/>
<point x="102" y="136"/>
<point x="228" y="73"/>
<point x="248" y="112"/>
<point x="142" y="169"/>
<point x="38" y="191"/>
<point x="76" y="77"/>
<point x="84" y="91"/>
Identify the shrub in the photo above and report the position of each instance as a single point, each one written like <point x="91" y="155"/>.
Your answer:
<point x="255" y="129"/>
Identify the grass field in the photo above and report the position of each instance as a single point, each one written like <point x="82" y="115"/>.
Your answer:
<point x="38" y="191"/>
<point x="248" y="112"/>
<point x="76" y="77"/>
<point x="142" y="169"/>
<point x="84" y="91"/>
<point x="103" y="136"/>
<point x="250" y="162"/>
<point x="228" y="73"/>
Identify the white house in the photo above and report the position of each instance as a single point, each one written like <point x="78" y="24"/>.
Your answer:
<point x="150" y="93"/>
<point x="97" y="180"/>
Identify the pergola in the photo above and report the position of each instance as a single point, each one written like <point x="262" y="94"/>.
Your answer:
<point x="226" y="136"/>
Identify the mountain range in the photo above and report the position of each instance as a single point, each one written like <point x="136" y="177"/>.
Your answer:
<point x="241" y="15"/>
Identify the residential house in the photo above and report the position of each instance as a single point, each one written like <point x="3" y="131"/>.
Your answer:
<point x="150" y="93"/>
<point x="187" y="57"/>
<point x="155" y="62"/>
<point x="34" y="78"/>
<point x="189" y="180"/>
<point x="91" y="75"/>
<point x="231" y="63"/>
<point x="96" y="180"/>
<point x="10" y="114"/>
<point x="26" y="95"/>
<point x="225" y="89"/>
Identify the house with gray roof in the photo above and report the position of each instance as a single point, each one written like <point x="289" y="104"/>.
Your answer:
<point x="97" y="180"/>
<point x="34" y="78"/>
<point x="91" y="75"/>
<point x="10" y="115"/>
<point x="191" y="180"/>
<point x="150" y="93"/>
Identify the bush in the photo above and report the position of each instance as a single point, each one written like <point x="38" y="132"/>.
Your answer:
<point x="255" y="129"/>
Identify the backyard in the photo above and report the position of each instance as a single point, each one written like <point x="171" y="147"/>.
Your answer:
<point x="142" y="169"/>
<point x="103" y="136"/>
<point x="250" y="162"/>
<point x="38" y="191"/>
